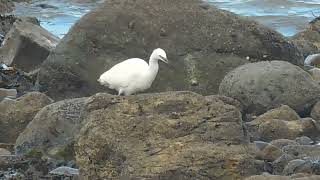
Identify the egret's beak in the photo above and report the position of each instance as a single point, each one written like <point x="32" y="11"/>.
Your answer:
<point x="164" y="59"/>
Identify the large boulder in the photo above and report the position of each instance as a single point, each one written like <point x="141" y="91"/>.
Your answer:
<point x="202" y="43"/>
<point x="27" y="45"/>
<point x="53" y="129"/>
<point x="16" y="114"/>
<point x="172" y="135"/>
<point x="266" y="85"/>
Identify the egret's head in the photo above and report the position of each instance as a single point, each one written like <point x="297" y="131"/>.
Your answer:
<point x="159" y="54"/>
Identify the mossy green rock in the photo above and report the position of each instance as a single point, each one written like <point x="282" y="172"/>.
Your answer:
<point x="172" y="135"/>
<point x="202" y="44"/>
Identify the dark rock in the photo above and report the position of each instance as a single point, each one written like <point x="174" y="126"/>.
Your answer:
<point x="27" y="45"/>
<point x="22" y="82"/>
<point x="53" y="130"/>
<point x="266" y="85"/>
<point x="16" y="114"/>
<point x="136" y="137"/>
<point x="202" y="44"/>
<point x="46" y="6"/>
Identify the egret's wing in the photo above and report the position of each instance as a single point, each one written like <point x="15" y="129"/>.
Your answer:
<point x="123" y="73"/>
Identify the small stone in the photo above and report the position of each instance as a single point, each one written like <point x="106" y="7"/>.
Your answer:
<point x="7" y="93"/>
<point x="304" y="140"/>
<point x="4" y="152"/>
<point x="65" y="171"/>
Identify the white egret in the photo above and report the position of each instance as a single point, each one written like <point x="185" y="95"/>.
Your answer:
<point x="133" y="75"/>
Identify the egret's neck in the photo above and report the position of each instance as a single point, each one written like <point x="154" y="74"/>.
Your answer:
<point x="153" y="68"/>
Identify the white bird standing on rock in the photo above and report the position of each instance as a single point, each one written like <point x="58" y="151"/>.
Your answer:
<point x="133" y="75"/>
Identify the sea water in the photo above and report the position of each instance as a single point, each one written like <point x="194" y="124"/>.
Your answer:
<point x="285" y="16"/>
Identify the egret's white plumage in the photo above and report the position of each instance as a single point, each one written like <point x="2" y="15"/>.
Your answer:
<point x="312" y="60"/>
<point x="133" y="75"/>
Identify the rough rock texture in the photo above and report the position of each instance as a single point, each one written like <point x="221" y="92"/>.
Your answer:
<point x="315" y="112"/>
<point x="275" y="177"/>
<point x="6" y="6"/>
<point x="53" y="129"/>
<point x="308" y="41"/>
<point x="18" y="81"/>
<point x="16" y="114"/>
<point x="283" y="112"/>
<point x="273" y="150"/>
<point x="302" y="151"/>
<point x="202" y="44"/>
<point x="280" y="129"/>
<point x="265" y="85"/>
<point x="27" y="45"/>
<point x="172" y="135"/>
<point x="308" y="166"/>
<point x="315" y="73"/>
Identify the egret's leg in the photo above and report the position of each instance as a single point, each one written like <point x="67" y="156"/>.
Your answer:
<point x="120" y="92"/>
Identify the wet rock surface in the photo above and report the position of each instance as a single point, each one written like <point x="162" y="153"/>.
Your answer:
<point x="203" y="44"/>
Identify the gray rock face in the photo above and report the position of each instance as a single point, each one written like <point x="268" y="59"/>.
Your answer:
<point x="27" y="45"/>
<point x="265" y="85"/>
<point x="16" y="114"/>
<point x="172" y="135"/>
<point x="53" y="129"/>
<point x="202" y="43"/>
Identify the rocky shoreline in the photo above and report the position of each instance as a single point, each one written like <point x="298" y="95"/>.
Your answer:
<point x="238" y="103"/>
